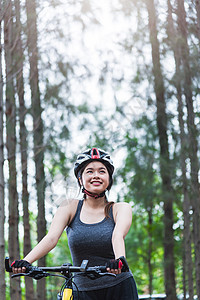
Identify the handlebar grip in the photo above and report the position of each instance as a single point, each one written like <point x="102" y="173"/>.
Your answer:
<point x="7" y="265"/>
<point x="125" y="267"/>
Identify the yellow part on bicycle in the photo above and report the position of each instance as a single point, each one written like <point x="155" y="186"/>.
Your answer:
<point x="67" y="294"/>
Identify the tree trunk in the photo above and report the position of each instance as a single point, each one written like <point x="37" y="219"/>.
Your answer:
<point x="198" y="18"/>
<point x="188" y="264"/>
<point x="150" y="222"/>
<point x="13" y="242"/>
<point x="165" y="165"/>
<point x="23" y="142"/>
<point x="38" y="128"/>
<point x="192" y="131"/>
<point x="2" y="212"/>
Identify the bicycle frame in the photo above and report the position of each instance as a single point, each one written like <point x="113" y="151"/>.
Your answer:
<point x="66" y="292"/>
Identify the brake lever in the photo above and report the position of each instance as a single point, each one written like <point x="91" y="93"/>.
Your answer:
<point x="35" y="273"/>
<point x="18" y="275"/>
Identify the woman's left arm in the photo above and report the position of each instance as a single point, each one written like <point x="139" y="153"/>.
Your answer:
<point x="123" y="218"/>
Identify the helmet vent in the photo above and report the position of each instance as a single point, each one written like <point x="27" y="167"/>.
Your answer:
<point x="95" y="153"/>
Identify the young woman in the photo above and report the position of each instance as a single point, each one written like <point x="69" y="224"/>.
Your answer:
<point x="96" y="230"/>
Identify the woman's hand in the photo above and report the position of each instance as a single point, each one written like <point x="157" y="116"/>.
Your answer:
<point x="117" y="266"/>
<point x="20" y="266"/>
<point x="114" y="266"/>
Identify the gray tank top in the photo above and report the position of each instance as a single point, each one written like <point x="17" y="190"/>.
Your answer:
<point x="94" y="243"/>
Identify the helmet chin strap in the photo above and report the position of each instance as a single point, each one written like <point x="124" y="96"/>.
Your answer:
<point x="93" y="195"/>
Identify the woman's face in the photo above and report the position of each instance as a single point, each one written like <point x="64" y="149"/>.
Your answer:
<point x="95" y="177"/>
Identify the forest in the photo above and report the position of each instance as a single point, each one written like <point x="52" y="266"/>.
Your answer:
<point x="121" y="75"/>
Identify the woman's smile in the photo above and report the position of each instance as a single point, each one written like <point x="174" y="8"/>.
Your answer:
<point x="96" y="183"/>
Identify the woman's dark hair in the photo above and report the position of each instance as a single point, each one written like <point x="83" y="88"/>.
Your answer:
<point x="107" y="208"/>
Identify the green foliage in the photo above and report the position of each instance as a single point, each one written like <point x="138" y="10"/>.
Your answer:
<point x="137" y="245"/>
<point x="144" y="242"/>
<point x="67" y="79"/>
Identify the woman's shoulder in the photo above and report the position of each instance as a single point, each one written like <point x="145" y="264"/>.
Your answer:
<point x="121" y="205"/>
<point x="122" y="209"/>
<point x="69" y="206"/>
<point x="72" y="202"/>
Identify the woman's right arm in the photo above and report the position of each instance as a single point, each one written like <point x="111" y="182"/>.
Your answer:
<point x="62" y="218"/>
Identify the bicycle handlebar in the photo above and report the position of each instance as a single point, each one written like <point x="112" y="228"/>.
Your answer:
<point x="40" y="272"/>
<point x="7" y="265"/>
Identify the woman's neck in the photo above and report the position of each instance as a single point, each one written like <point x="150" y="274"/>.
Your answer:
<point x="95" y="203"/>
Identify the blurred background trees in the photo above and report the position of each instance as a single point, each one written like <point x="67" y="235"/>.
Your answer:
<point x="123" y="76"/>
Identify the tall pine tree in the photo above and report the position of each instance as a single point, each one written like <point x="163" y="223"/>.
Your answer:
<point x="37" y="128"/>
<point x="165" y="164"/>
<point x="19" y="67"/>
<point x="13" y="242"/>
<point x="2" y="192"/>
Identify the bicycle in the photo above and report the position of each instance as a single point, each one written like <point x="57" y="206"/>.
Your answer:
<point x="67" y="270"/>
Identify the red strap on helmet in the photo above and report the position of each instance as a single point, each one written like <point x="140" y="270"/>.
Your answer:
<point x="95" y="153"/>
